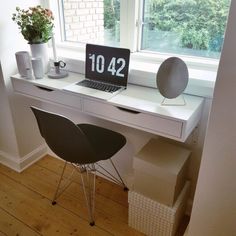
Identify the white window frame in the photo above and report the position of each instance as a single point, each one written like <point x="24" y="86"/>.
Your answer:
<point x="144" y="64"/>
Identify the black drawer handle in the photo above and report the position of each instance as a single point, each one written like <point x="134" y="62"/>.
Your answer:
<point x="45" y="89"/>
<point x="128" y="110"/>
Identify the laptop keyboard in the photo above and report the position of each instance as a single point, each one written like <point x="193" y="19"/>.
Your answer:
<point x="99" y="86"/>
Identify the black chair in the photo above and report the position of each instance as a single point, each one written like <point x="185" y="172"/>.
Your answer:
<point x="83" y="146"/>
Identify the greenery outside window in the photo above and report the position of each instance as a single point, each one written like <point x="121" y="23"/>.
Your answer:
<point x="190" y="27"/>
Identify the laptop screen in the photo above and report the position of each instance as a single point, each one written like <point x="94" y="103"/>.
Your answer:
<point x="107" y="64"/>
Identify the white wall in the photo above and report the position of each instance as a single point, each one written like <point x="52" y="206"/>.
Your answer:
<point x="214" y="211"/>
<point x="10" y="42"/>
<point x="7" y="133"/>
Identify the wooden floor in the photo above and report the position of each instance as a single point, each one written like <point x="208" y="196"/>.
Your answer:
<point x="25" y="205"/>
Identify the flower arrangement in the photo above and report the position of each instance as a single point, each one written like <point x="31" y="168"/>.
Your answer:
<point x="36" y="24"/>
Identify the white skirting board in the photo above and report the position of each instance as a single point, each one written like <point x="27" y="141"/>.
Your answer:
<point x="19" y="164"/>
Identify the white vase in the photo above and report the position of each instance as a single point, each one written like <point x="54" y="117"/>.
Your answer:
<point x="40" y="50"/>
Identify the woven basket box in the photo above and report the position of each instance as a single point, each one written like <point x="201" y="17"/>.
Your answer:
<point x="153" y="218"/>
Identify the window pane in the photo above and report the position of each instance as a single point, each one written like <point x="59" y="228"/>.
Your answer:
<point x="93" y="21"/>
<point x="191" y="27"/>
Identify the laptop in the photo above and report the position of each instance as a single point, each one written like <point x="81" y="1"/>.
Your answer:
<point x="106" y="72"/>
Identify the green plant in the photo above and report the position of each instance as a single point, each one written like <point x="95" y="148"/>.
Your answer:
<point x="35" y="23"/>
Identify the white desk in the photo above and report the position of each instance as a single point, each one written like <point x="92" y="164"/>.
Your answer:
<point x="137" y="107"/>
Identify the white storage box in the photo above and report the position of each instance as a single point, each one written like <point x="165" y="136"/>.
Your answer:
<point x="160" y="170"/>
<point x="153" y="218"/>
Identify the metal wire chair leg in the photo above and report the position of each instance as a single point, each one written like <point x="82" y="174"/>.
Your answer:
<point x="59" y="183"/>
<point x="117" y="172"/>
<point x="90" y="193"/>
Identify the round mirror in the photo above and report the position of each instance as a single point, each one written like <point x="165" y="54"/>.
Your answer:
<point x="172" y="77"/>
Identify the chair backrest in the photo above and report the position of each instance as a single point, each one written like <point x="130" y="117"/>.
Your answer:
<point x="64" y="137"/>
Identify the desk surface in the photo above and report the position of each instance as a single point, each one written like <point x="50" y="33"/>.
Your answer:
<point x="143" y="101"/>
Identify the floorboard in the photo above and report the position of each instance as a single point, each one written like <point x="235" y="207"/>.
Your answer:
<point x="26" y="209"/>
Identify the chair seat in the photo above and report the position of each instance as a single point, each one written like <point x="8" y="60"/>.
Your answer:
<point x="105" y="142"/>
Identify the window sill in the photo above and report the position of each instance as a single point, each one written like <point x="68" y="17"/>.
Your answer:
<point x="143" y="69"/>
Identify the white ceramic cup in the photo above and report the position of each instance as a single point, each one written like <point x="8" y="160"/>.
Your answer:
<point x="24" y="64"/>
<point x="37" y="65"/>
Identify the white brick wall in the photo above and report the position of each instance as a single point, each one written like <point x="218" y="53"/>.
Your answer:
<point x="84" y="20"/>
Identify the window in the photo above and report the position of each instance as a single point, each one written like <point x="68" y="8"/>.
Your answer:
<point x="192" y="27"/>
<point x="94" y="21"/>
<point x="183" y="27"/>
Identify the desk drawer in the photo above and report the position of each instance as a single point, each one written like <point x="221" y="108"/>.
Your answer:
<point x="154" y="124"/>
<point x="44" y="93"/>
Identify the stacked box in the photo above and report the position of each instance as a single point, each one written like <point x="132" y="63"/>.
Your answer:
<point x="153" y="218"/>
<point x="160" y="170"/>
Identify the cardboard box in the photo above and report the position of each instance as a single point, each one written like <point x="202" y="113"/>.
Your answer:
<point x="160" y="170"/>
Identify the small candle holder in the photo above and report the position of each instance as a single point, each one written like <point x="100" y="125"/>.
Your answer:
<point x="57" y="73"/>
